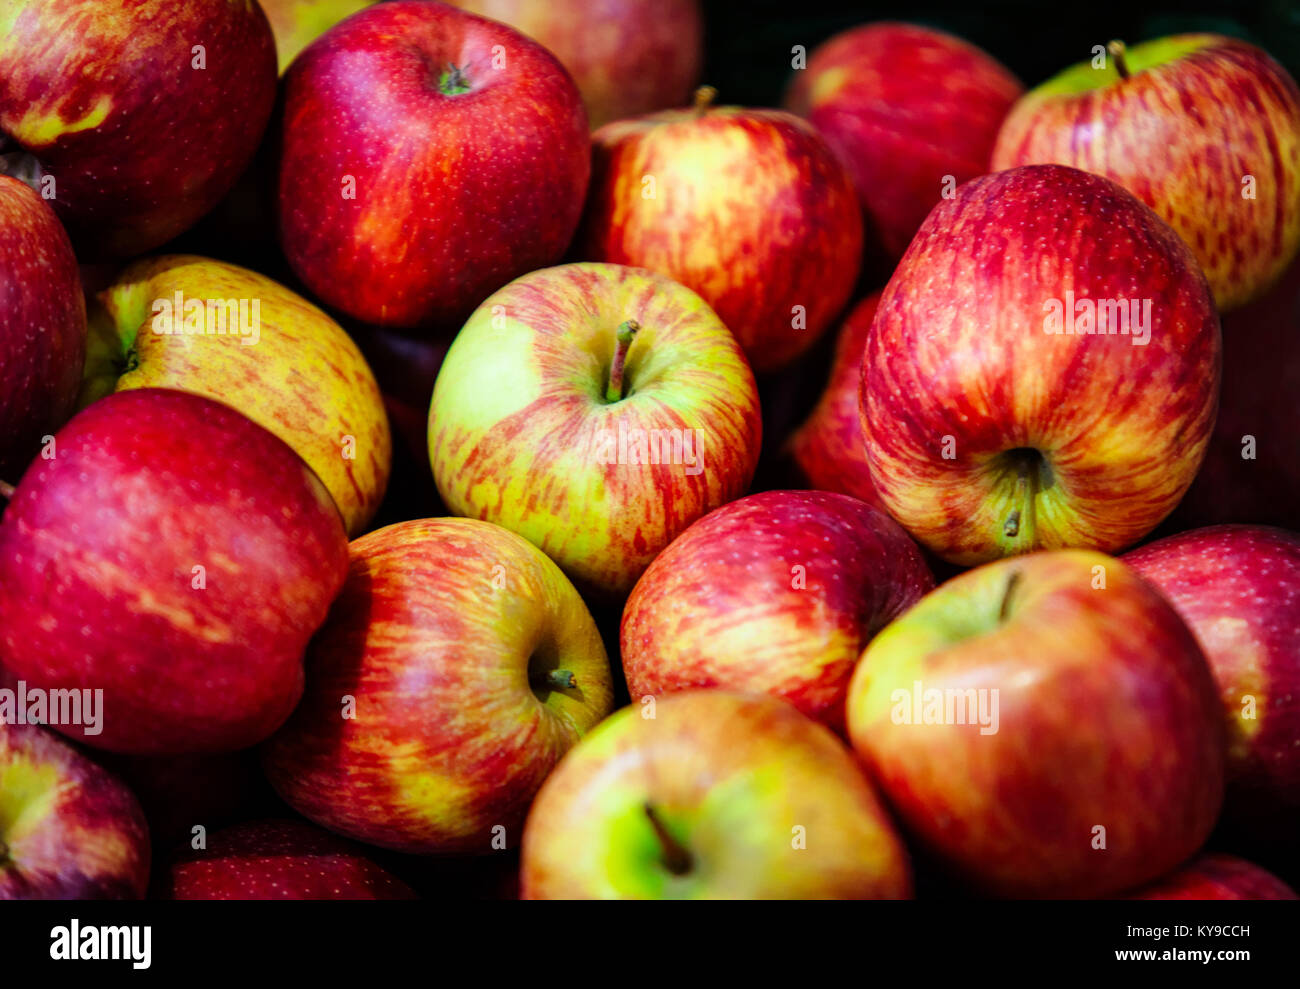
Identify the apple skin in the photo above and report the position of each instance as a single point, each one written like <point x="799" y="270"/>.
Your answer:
<point x="98" y="590"/>
<point x="830" y="449"/>
<point x="440" y="634"/>
<point x="1217" y="877"/>
<point x="731" y="777"/>
<point x="1238" y="588"/>
<point x="1198" y="113"/>
<point x="68" y="829"/>
<point x="42" y="325"/>
<point x="751" y="209"/>
<point x="888" y="92"/>
<point x="1107" y="716"/>
<point x="958" y="349"/>
<point x="628" y="57"/>
<point x="80" y="85"/>
<point x="303" y="379"/>
<point x="519" y="414"/>
<point x="723" y="606"/>
<point x="295" y="24"/>
<point x="278" y="860"/>
<point x="455" y="195"/>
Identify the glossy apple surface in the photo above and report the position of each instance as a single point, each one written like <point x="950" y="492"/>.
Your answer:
<point x="774" y="593"/>
<point x="988" y="432"/>
<point x="1044" y="726"/>
<point x="1217" y="877"/>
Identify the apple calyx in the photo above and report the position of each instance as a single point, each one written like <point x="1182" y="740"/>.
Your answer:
<point x="7" y="493"/>
<point x="1116" y="50"/>
<point x="627" y="330"/>
<point x="676" y="858"/>
<point x="453" y="81"/>
<point x="559" y="679"/>
<point x="704" y="97"/>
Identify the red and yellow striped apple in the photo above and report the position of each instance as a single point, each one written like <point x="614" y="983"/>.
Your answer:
<point x="1042" y="371"/>
<point x="597" y="411"/>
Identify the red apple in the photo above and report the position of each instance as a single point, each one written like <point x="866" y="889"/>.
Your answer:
<point x="711" y="795"/>
<point x="1042" y="370"/>
<point x="177" y="557"/>
<point x="134" y="117"/>
<point x="429" y="157"/>
<point x="830" y="448"/>
<point x="68" y="829"/>
<point x="628" y="57"/>
<point x="1044" y="726"/>
<point x="776" y="593"/>
<point x="1203" y="129"/>
<point x="1217" y="877"/>
<point x="278" y="860"/>
<point x="42" y="325"/>
<point x="1238" y="588"/>
<point x="886" y="94"/>
<point x="456" y="668"/>
<point x="750" y="208"/>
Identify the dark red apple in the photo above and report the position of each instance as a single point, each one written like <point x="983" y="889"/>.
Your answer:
<point x="1217" y="877"/>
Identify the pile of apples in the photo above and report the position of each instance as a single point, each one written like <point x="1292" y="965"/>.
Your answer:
<point x="591" y="663"/>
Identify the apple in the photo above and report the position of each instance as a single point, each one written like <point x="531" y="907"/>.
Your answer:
<point x="1202" y="128"/>
<point x="230" y="334"/>
<point x="596" y="410"/>
<point x="428" y="157"/>
<point x="711" y="794"/>
<point x="999" y="418"/>
<point x="830" y="449"/>
<point x="42" y="325"/>
<point x="886" y="93"/>
<point x="297" y="23"/>
<point x="68" y="829"/>
<point x="1217" y="877"/>
<point x="774" y="593"/>
<point x="1044" y="727"/>
<point x="750" y="208"/>
<point x="628" y="57"/>
<point x="1238" y="588"/>
<point x="175" y="556"/>
<point x="133" y="118"/>
<point x="278" y="860"/>
<point x="455" y="669"/>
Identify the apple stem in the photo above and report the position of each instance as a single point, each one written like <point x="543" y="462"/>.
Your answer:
<point x="560" y="679"/>
<point x="626" y="331"/>
<point x="1015" y="521"/>
<point x="453" y="81"/>
<point x="704" y="97"/>
<point x="1117" y="50"/>
<point x="1012" y="582"/>
<point x="676" y="858"/>
<point x="6" y="491"/>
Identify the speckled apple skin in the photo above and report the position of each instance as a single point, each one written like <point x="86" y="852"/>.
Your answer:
<point x="1108" y="718"/>
<point x="455" y="194"/>
<point x="1217" y="877"/>
<point x="1182" y="136"/>
<point x="97" y="584"/>
<point x="278" y="860"/>
<point x="775" y="593"/>
<point x="958" y="350"/>
<point x="1238" y="588"/>
<point x="72" y="831"/>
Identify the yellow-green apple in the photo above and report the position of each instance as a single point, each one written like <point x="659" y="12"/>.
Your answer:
<point x="1217" y="877"/>
<point x="628" y="57"/>
<point x="711" y="794"/>
<point x="1042" y="370"/>
<point x="68" y="829"/>
<point x="830" y="450"/>
<point x="1044" y="727"/>
<point x="1238" y="589"/>
<point x="887" y="93"/>
<point x="774" y="593"/>
<point x="278" y="859"/>
<point x="456" y="668"/>
<point x="133" y="117"/>
<point x="596" y="410"/>
<point x="230" y="334"/>
<point x="297" y="23"/>
<point x="42" y="325"/>
<point x="1203" y="129"/>
<point x="428" y="157"/>
<point x="177" y="557"/>
<point x="750" y="208"/>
